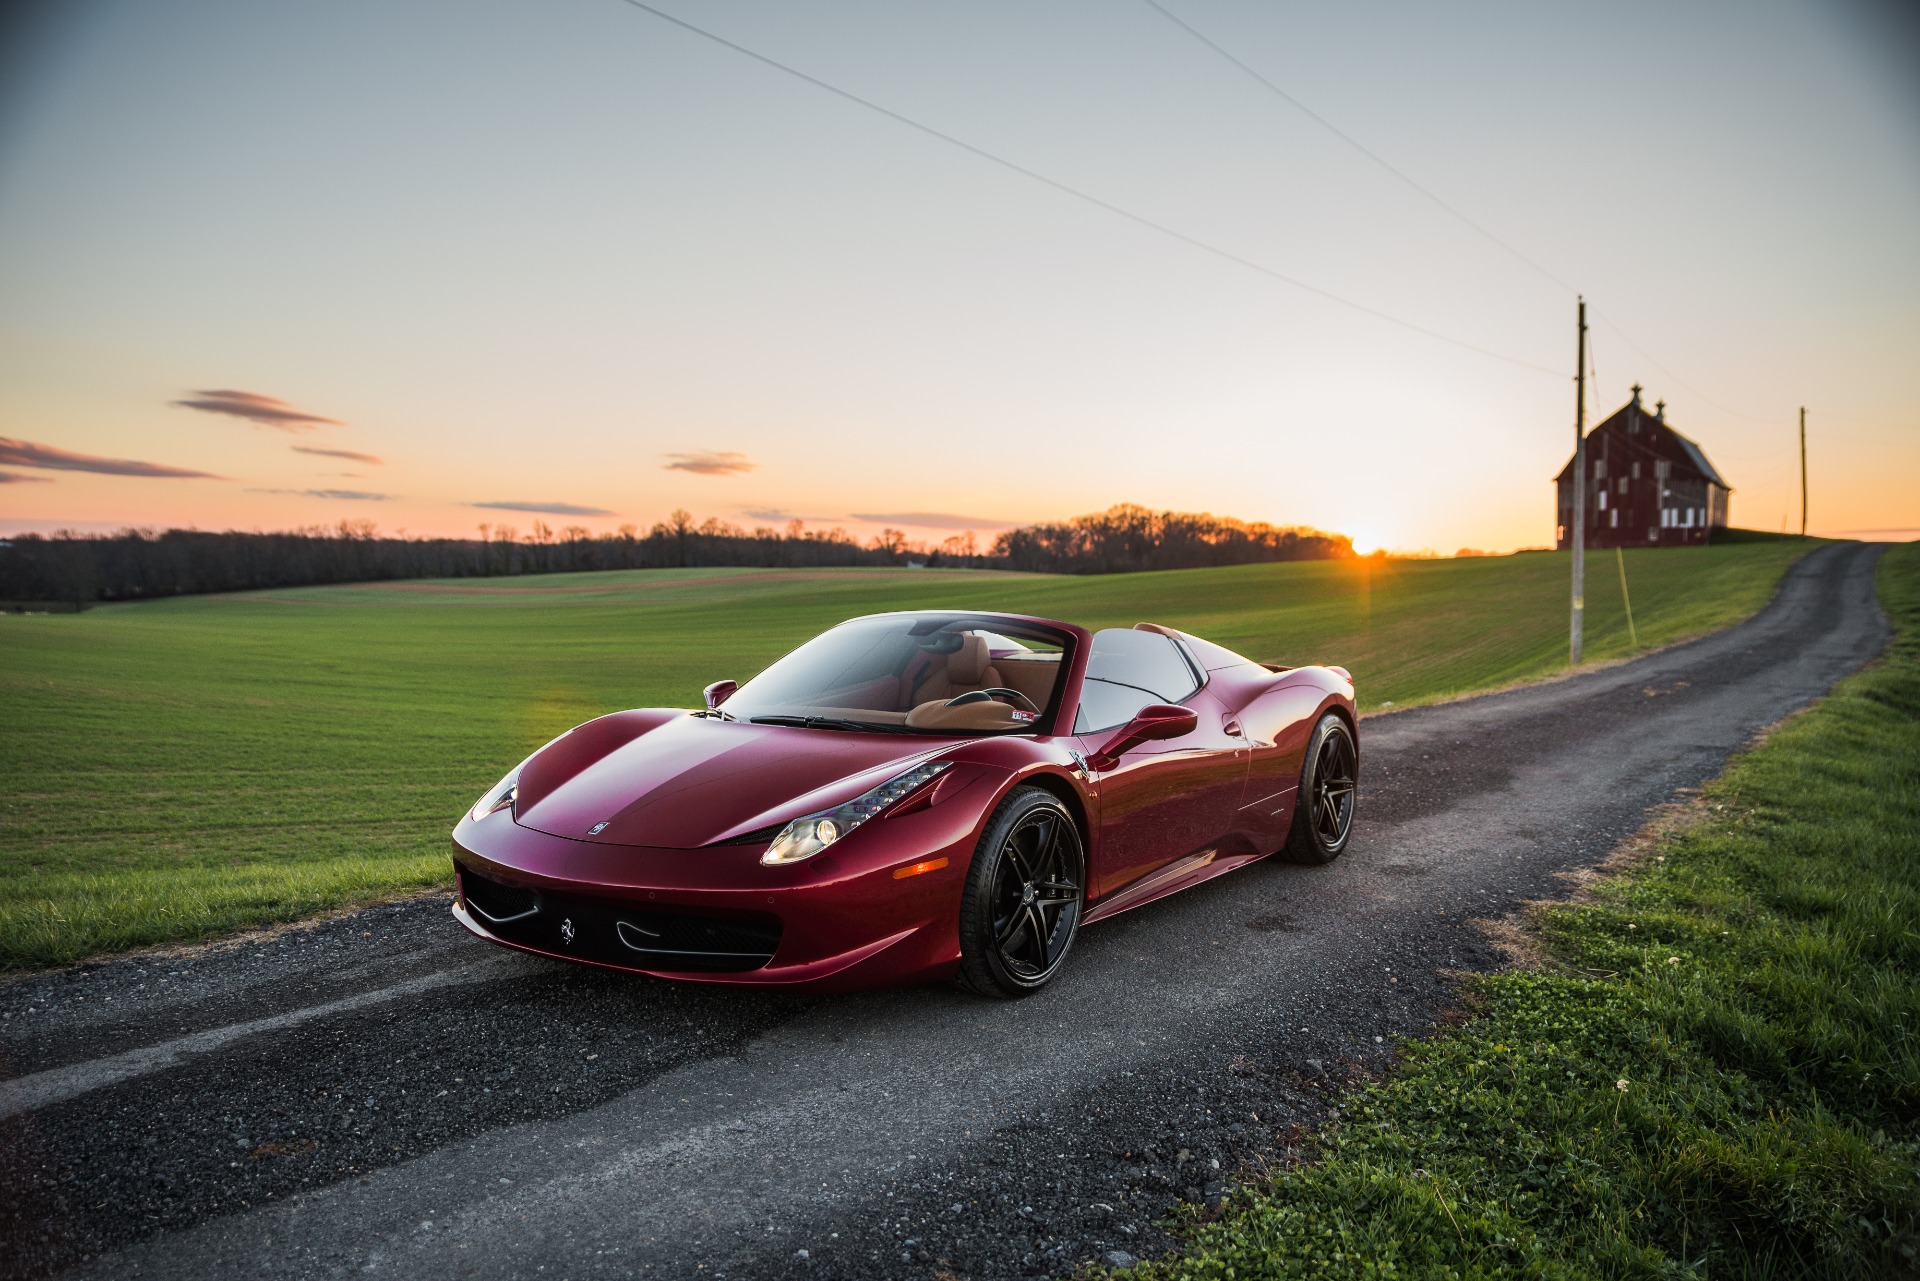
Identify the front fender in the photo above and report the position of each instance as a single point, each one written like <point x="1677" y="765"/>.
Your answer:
<point x="582" y="745"/>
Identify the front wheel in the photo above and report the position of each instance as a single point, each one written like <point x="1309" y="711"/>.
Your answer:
<point x="1323" y="807"/>
<point x="1024" y="896"/>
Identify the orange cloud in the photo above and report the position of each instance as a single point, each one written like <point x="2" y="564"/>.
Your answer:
<point x="25" y="453"/>
<point x="15" y="478"/>
<point x="708" y="462"/>
<point x="267" y="411"/>
<point x="337" y="453"/>
<point x="935" y="520"/>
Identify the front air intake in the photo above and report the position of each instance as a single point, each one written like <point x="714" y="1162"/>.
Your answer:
<point x="615" y="933"/>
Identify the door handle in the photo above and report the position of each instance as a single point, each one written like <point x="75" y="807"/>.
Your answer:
<point x="1233" y="727"/>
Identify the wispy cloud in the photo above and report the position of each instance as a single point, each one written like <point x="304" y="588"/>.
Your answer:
<point x="781" y="514"/>
<point x="351" y="495"/>
<point x="348" y="454"/>
<point x="708" y="462"/>
<point x="547" y="509"/>
<point x="935" y="520"/>
<point x="267" y="411"/>
<point x="25" y="453"/>
<point x="15" y="478"/>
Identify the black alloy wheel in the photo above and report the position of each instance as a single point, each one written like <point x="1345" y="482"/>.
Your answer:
<point x="1024" y="896"/>
<point x="1329" y="786"/>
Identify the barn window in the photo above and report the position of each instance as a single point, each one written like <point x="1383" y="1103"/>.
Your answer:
<point x="1603" y="500"/>
<point x="1662" y="469"/>
<point x="1636" y="471"/>
<point x="1623" y="484"/>
<point x="1614" y="521"/>
<point x="1653" y="535"/>
<point x="1599" y="469"/>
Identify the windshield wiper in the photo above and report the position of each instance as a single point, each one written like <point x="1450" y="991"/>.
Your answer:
<point x="829" y="722"/>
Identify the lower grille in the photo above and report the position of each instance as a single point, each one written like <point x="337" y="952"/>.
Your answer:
<point x="608" y="931"/>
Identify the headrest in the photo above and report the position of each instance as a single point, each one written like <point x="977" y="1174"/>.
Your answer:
<point x="968" y="663"/>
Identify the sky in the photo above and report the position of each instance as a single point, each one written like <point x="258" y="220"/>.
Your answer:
<point x="432" y="264"/>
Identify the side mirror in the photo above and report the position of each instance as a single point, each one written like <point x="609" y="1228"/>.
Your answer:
<point x="1154" y="721"/>
<point x="719" y="692"/>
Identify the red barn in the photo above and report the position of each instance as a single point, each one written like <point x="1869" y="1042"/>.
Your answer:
<point x="1647" y="485"/>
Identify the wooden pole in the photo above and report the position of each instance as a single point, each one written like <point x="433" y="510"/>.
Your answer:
<point x="1578" y="533"/>
<point x="1803" y="471"/>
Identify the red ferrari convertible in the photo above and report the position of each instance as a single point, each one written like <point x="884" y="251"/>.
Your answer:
<point x="910" y="797"/>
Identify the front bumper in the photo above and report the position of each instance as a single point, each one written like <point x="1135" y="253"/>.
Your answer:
<point x="841" y="920"/>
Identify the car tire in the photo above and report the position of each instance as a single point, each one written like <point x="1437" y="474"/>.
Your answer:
<point x="1329" y="789"/>
<point x="1025" y="895"/>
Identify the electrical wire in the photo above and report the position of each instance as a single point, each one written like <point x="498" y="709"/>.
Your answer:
<point x="1349" y="139"/>
<point x="1627" y="339"/>
<point x="1381" y="161"/>
<point x="1093" y="200"/>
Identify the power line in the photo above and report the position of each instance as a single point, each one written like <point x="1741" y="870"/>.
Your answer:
<point x="1093" y="200"/>
<point x="1627" y="339"/>
<point x="1349" y="139"/>
<point x="1374" y="156"/>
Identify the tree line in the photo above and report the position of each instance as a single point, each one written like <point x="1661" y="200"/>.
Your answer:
<point x="74" y="570"/>
<point x="1128" y="538"/>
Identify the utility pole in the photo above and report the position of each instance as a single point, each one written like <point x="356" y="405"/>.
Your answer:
<point x="1803" y="471"/>
<point x="1577" y="534"/>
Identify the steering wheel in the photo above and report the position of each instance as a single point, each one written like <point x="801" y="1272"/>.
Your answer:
<point x="987" y="695"/>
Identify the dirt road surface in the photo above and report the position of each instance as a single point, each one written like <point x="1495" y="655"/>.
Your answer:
<point x="381" y="1095"/>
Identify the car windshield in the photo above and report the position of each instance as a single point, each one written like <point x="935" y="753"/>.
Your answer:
<point x="912" y="673"/>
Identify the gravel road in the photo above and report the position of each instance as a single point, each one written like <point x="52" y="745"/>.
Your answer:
<point x="379" y="1095"/>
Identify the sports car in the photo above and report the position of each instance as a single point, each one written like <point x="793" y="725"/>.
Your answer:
<point x="910" y="797"/>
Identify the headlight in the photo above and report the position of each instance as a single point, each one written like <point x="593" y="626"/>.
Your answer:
<point x="499" y="796"/>
<point x="805" y="837"/>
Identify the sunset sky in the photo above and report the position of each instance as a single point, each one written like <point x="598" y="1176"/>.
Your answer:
<point x="431" y="264"/>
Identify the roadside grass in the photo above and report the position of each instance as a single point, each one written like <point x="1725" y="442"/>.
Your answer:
<point x="182" y="768"/>
<point x="1715" y="1072"/>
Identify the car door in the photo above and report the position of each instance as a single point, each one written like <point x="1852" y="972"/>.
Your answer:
<point x="1161" y="800"/>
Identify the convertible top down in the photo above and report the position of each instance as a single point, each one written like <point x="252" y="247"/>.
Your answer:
<point x="910" y="797"/>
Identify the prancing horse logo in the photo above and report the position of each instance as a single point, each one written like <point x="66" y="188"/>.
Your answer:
<point x="566" y="931"/>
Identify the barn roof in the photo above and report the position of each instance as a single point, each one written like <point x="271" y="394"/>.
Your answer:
<point x="1699" y="457"/>
<point x="1660" y="439"/>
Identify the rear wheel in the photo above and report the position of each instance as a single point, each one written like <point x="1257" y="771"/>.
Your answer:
<point x="1024" y="896"/>
<point x="1329" y="784"/>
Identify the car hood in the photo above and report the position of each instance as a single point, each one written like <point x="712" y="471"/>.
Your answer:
<point x="695" y="781"/>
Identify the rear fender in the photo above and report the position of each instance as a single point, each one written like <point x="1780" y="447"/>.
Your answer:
<point x="1278" y="722"/>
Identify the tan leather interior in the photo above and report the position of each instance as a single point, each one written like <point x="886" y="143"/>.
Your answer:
<point x="968" y="668"/>
<point x="1035" y="677"/>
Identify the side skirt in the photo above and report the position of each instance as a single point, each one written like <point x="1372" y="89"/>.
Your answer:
<point x="1176" y="876"/>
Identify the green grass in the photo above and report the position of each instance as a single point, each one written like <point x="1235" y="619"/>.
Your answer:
<point x="1715" y="1074"/>
<point x="181" y="768"/>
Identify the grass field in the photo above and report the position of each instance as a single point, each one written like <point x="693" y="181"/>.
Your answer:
<point x="182" y="768"/>
<point x="1714" y="1073"/>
